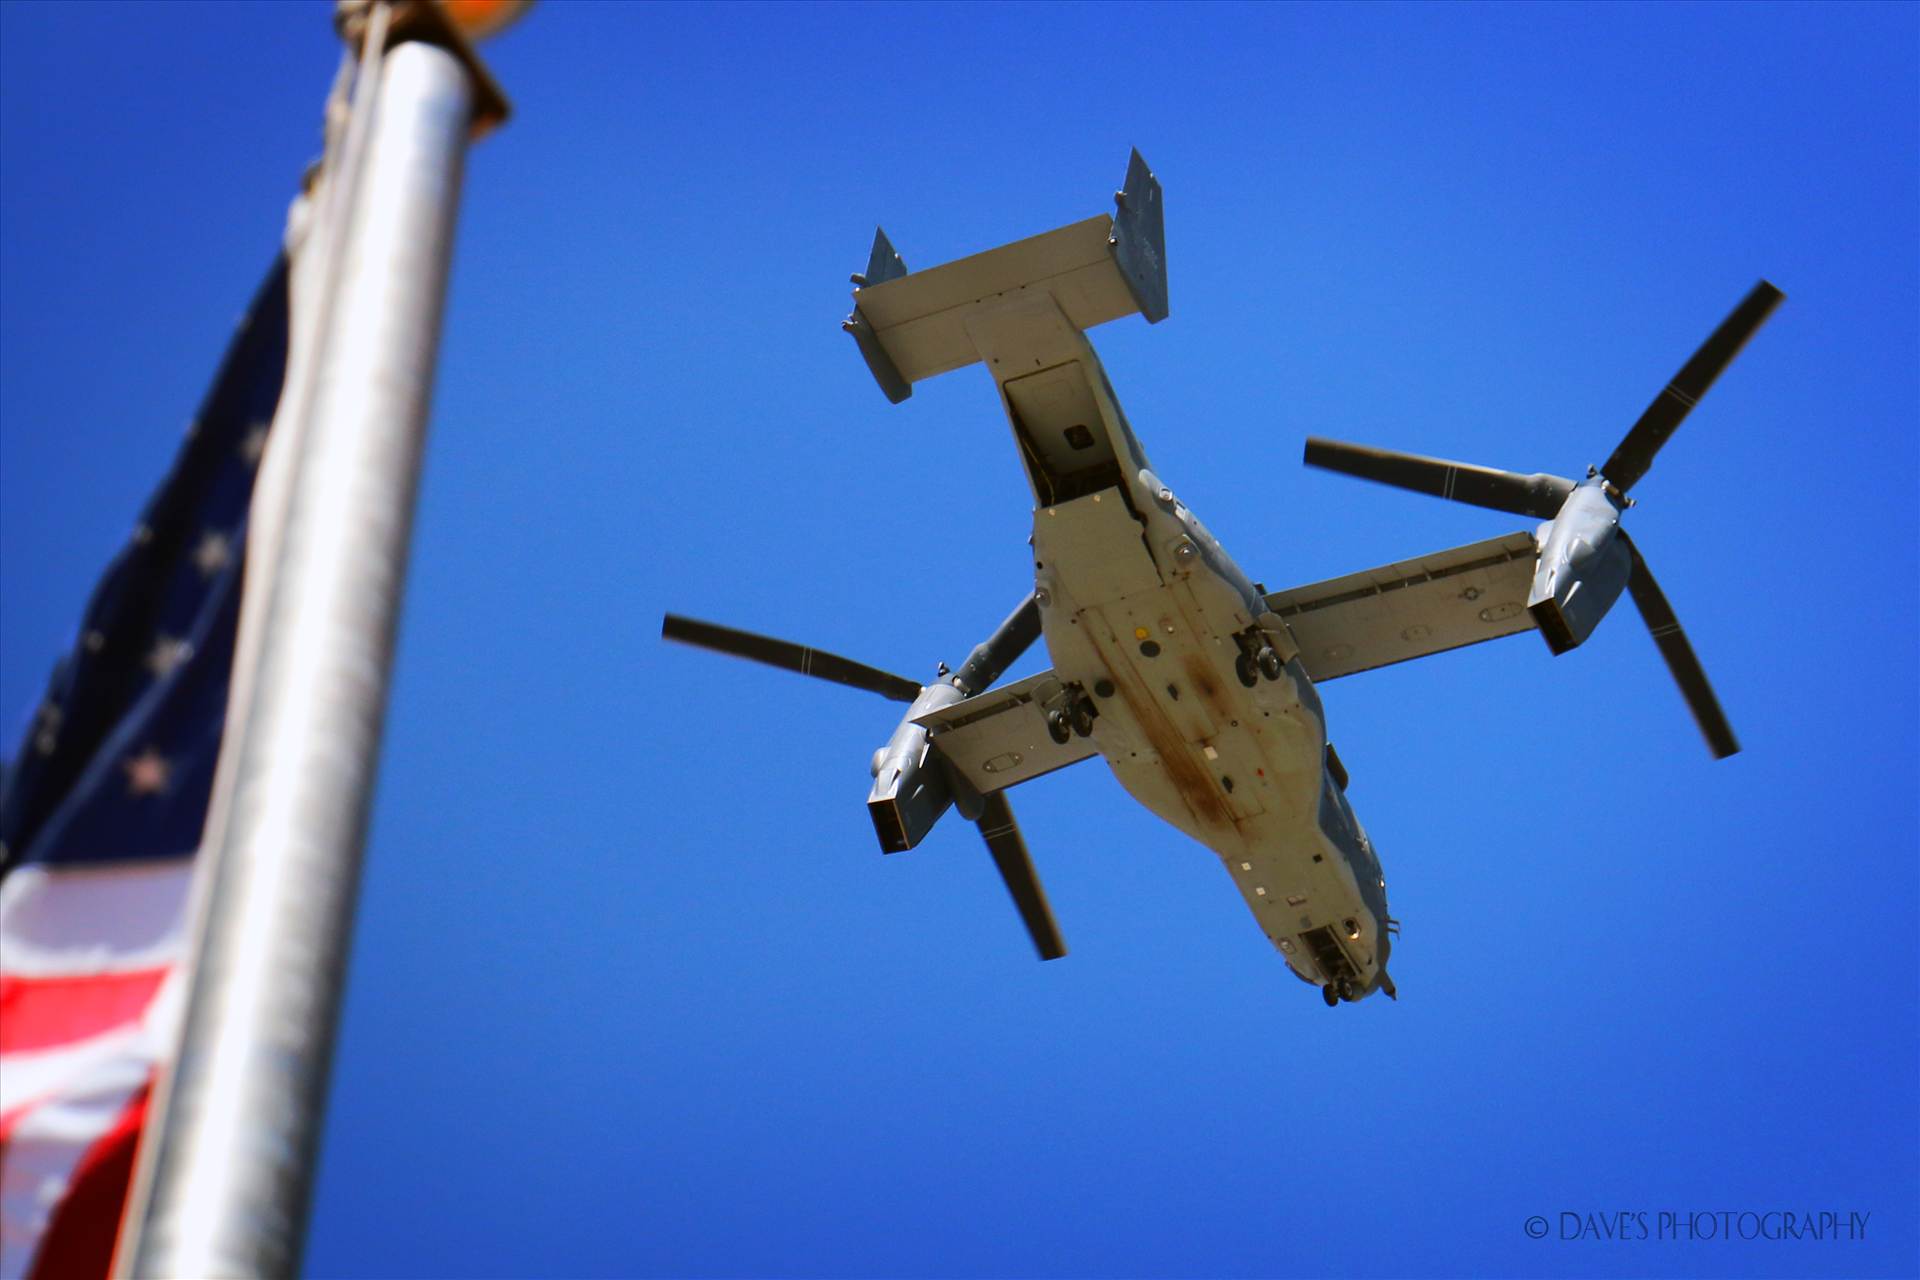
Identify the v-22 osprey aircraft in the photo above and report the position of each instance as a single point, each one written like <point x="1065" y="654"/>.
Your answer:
<point x="1191" y="681"/>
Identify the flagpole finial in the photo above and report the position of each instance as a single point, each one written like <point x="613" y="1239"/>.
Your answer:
<point x="484" y="19"/>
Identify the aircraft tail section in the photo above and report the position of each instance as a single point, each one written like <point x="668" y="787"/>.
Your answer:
<point x="912" y="325"/>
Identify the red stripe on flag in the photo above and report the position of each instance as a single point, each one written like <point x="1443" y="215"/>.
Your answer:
<point x="45" y="1013"/>
<point x="9" y="1120"/>
<point x="79" y="1241"/>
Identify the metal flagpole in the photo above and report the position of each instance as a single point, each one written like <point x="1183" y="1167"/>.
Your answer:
<point x="227" y="1167"/>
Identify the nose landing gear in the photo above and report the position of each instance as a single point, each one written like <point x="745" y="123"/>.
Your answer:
<point x="1334" y="992"/>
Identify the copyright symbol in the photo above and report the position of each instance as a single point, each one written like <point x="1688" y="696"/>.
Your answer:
<point x="1536" y="1226"/>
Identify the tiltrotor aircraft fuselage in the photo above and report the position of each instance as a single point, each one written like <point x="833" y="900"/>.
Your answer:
<point x="1194" y="684"/>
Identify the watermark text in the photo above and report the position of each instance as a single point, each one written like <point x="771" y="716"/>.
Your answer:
<point x="1699" y="1225"/>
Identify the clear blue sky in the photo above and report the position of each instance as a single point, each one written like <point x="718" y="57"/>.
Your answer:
<point x="634" y="993"/>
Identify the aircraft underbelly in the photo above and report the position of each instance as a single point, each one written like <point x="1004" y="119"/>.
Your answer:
<point x="1242" y="770"/>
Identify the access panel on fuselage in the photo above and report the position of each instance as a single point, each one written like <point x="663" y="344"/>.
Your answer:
<point x="1066" y="442"/>
<point x="1089" y="551"/>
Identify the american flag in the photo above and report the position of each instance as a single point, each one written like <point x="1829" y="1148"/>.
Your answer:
<point x="101" y="812"/>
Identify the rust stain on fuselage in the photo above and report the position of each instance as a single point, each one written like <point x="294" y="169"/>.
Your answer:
<point x="1204" y="681"/>
<point x="1195" y="785"/>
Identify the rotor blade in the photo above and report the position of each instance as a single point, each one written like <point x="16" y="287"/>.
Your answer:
<point x="1681" y="660"/>
<point x="788" y="655"/>
<point x="1000" y="650"/>
<point x="1634" y="456"/>
<point x="1009" y="852"/>
<point x="1539" y="496"/>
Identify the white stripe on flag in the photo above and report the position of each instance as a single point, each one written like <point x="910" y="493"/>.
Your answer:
<point x="68" y="921"/>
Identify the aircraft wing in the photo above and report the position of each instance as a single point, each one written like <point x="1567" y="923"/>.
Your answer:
<point x="1410" y="609"/>
<point x="998" y="738"/>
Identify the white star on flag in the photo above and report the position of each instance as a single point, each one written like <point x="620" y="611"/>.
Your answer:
<point x="166" y="654"/>
<point x="147" y="773"/>
<point x="213" y="554"/>
<point x="254" y="443"/>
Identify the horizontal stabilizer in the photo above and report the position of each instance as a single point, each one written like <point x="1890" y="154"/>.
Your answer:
<point x="911" y="326"/>
<point x="1412" y="608"/>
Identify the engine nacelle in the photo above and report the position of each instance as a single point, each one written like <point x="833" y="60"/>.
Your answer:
<point x="1583" y="566"/>
<point x="911" y="789"/>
